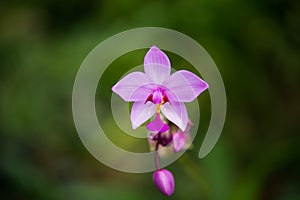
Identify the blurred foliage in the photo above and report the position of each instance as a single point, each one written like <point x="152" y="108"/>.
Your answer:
<point x="256" y="46"/>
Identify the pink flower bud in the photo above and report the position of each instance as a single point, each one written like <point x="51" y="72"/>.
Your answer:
<point x="164" y="181"/>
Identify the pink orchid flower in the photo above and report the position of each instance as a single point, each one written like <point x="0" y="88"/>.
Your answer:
<point x="157" y="90"/>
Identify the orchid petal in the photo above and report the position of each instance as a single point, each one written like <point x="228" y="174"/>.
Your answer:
<point x="185" y="85"/>
<point x="157" y="65"/>
<point x="178" y="141"/>
<point x="135" y="86"/>
<point x="176" y="112"/>
<point x="141" y="112"/>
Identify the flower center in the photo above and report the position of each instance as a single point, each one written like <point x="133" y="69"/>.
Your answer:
<point x="157" y="97"/>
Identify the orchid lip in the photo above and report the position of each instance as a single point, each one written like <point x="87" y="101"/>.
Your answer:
<point x="157" y="125"/>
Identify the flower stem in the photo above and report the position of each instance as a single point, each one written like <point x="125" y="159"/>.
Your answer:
<point x="157" y="161"/>
<point x="156" y="153"/>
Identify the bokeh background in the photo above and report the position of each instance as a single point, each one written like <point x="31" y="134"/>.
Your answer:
<point x="256" y="46"/>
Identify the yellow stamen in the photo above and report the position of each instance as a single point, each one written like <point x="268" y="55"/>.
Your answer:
<point x="159" y="106"/>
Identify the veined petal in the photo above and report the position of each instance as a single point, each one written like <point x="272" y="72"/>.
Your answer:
<point x="185" y="86"/>
<point x="135" y="86"/>
<point x="141" y="112"/>
<point x="157" y="65"/>
<point x="178" y="141"/>
<point x="176" y="112"/>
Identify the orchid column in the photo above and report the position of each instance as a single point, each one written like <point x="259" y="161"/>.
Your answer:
<point x="162" y="95"/>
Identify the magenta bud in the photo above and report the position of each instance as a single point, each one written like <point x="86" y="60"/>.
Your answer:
<point x="164" y="181"/>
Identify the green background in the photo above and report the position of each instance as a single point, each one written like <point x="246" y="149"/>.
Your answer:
<point x="256" y="46"/>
